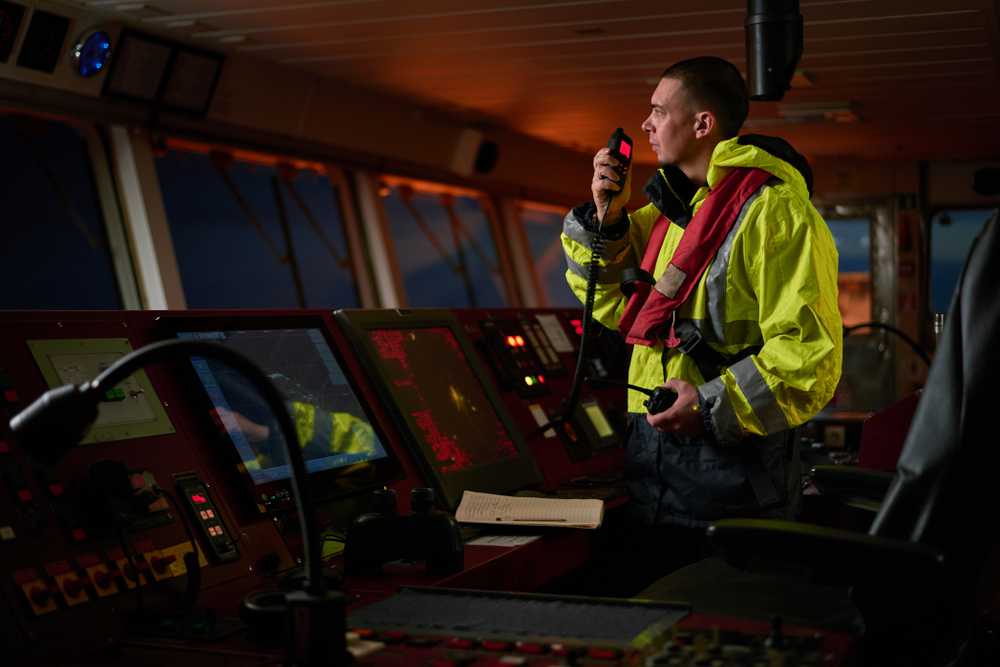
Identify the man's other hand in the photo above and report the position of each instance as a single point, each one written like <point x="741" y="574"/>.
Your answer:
<point x="600" y="187"/>
<point x="683" y="417"/>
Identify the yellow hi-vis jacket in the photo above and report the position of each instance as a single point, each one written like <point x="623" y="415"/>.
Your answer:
<point x="323" y="434"/>
<point x="773" y="283"/>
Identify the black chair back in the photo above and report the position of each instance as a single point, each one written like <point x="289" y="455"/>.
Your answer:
<point x="947" y="492"/>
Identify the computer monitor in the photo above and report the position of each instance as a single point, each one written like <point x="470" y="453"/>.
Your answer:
<point x="440" y="396"/>
<point x="345" y="449"/>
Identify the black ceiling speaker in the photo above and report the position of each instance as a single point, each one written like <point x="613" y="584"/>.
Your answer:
<point x="486" y="158"/>
<point x="774" y="45"/>
<point x="986" y="181"/>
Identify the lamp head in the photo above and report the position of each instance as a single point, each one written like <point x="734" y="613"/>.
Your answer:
<point x="54" y="424"/>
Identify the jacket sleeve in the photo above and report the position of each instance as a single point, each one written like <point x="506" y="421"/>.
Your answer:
<point x="615" y="254"/>
<point x="791" y="267"/>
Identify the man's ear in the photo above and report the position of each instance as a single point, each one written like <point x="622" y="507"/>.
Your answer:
<point x="704" y="123"/>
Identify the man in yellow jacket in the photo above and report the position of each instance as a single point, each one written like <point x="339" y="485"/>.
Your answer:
<point x="737" y="312"/>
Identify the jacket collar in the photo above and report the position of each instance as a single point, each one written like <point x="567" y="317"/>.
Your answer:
<point x="671" y="193"/>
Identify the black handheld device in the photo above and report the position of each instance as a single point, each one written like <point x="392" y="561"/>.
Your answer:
<point x="621" y="149"/>
<point x="660" y="400"/>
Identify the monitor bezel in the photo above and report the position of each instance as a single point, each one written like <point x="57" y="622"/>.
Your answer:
<point x="327" y="485"/>
<point x="502" y="476"/>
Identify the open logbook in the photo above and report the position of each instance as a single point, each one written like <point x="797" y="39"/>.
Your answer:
<point x="522" y="511"/>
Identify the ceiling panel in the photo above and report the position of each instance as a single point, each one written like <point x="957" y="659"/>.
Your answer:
<point x="921" y="77"/>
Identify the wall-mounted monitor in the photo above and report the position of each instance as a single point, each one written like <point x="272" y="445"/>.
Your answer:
<point x="345" y="449"/>
<point x="442" y="400"/>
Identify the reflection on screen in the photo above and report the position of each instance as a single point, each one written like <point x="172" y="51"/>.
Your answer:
<point x="333" y="430"/>
<point x="439" y="389"/>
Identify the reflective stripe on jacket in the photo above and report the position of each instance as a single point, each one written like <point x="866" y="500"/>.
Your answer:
<point x="773" y="283"/>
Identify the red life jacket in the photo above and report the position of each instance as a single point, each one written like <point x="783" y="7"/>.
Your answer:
<point x="649" y="308"/>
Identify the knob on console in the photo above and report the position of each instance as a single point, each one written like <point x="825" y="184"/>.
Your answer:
<point x="421" y="500"/>
<point x="384" y="501"/>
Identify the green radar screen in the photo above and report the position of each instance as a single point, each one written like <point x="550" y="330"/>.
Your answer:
<point x="10" y="22"/>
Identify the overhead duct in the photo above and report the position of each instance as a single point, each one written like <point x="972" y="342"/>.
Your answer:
<point x="774" y="45"/>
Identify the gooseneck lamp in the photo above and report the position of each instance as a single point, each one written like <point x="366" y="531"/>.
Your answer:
<point x="53" y="425"/>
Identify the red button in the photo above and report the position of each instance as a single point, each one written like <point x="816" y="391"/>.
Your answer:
<point x="10" y="396"/>
<point x="363" y="633"/>
<point x="78" y="535"/>
<point x="605" y="654"/>
<point x="24" y="495"/>
<point x="56" y="490"/>
<point x="4" y="449"/>
<point x="462" y="643"/>
<point x="533" y="649"/>
<point x="495" y="646"/>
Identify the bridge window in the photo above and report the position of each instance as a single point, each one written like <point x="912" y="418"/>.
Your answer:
<point x="53" y="245"/>
<point x="853" y="239"/>
<point x="444" y="246"/>
<point x="542" y="227"/>
<point x="253" y="234"/>
<point x="952" y="234"/>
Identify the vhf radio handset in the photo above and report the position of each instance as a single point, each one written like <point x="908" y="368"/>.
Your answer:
<point x="621" y="149"/>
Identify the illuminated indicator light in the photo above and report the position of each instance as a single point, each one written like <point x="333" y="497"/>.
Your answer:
<point x="204" y="514"/>
<point x="93" y="53"/>
<point x="520" y="341"/>
<point x="198" y="498"/>
<point x="511" y="341"/>
<point x="211" y="514"/>
<point x="541" y="379"/>
<point x="625" y="149"/>
<point x="528" y="381"/>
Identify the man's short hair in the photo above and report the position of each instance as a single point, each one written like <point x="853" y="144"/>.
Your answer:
<point x="715" y="85"/>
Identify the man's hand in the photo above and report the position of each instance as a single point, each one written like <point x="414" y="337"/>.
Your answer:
<point x="251" y="430"/>
<point x="683" y="417"/>
<point x="603" y="163"/>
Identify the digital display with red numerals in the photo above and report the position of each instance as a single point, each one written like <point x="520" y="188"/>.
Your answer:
<point x="198" y="498"/>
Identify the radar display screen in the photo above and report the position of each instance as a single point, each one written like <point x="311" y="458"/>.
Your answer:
<point x="442" y="401"/>
<point x="445" y="400"/>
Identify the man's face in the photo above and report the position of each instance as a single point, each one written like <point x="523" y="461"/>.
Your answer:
<point x="671" y="124"/>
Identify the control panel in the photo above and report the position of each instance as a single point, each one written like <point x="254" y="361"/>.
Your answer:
<point x="88" y="544"/>
<point x="532" y="356"/>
